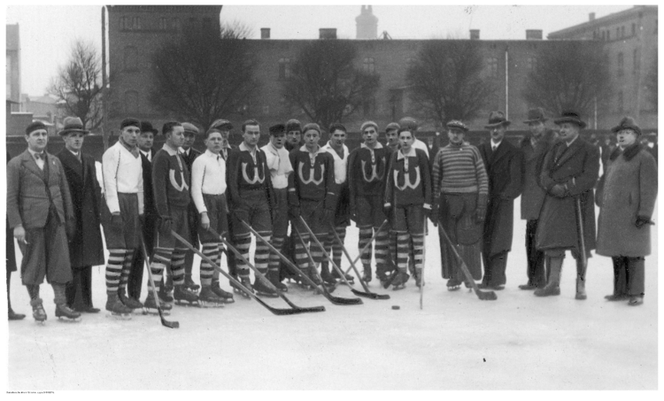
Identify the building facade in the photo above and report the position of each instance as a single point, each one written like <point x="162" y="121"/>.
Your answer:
<point x="13" y="65"/>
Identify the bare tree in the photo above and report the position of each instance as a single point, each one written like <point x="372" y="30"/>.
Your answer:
<point x="78" y="84"/>
<point x="325" y="83"/>
<point x="445" y="80"/>
<point x="569" y="76"/>
<point x="204" y="75"/>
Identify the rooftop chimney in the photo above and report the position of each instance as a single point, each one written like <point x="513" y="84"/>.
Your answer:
<point x="327" y="33"/>
<point x="474" y="34"/>
<point x="533" y="34"/>
<point x="591" y="17"/>
<point x="265" y="33"/>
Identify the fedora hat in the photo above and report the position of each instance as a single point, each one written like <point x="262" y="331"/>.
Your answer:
<point x="627" y="123"/>
<point x="457" y="125"/>
<point x="496" y="119"/>
<point x="146" y="126"/>
<point x="570" y="117"/>
<point x="535" y="115"/>
<point x="72" y="124"/>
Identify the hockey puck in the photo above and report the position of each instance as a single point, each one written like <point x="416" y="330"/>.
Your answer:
<point x="396" y="307"/>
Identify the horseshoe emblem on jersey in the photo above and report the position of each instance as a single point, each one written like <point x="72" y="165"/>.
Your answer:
<point x="311" y="175"/>
<point x="174" y="182"/>
<point x="406" y="180"/>
<point x="374" y="173"/>
<point x="257" y="178"/>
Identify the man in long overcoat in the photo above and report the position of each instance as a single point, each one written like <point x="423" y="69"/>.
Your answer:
<point x="10" y="257"/>
<point x="626" y="196"/>
<point x="569" y="174"/>
<point x="534" y="148"/>
<point x="85" y="248"/>
<point x="40" y="212"/>
<point x="503" y="165"/>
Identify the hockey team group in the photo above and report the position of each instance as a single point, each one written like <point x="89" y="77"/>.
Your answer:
<point x="297" y="195"/>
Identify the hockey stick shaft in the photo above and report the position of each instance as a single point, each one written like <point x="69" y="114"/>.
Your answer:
<point x="367" y="245"/>
<point x="262" y="277"/>
<point x="275" y="311"/>
<point x="580" y="234"/>
<point x="352" y="265"/>
<point x="164" y="322"/>
<point x="326" y="293"/>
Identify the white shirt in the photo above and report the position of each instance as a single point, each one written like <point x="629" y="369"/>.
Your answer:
<point x="208" y="176"/>
<point x="421" y="145"/>
<point x="279" y="164"/>
<point x="40" y="161"/>
<point x="340" y="164"/>
<point x="123" y="173"/>
<point x="495" y="145"/>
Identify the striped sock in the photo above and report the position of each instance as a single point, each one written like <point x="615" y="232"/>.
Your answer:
<point x="382" y="247"/>
<point x="365" y="237"/>
<point x="160" y="262"/>
<point x="402" y="252"/>
<point x="317" y="252"/>
<point x="126" y="270"/>
<point x="177" y="265"/>
<point x="243" y="244"/>
<point x="262" y="253"/>
<point x="211" y="250"/>
<point x="301" y="256"/>
<point x="114" y="269"/>
<point x="336" y="246"/>
<point x="275" y="261"/>
<point x="418" y="251"/>
<point x="217" y="260"/>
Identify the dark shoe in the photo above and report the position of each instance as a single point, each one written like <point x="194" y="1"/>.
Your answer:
<point x="616" y="297"/>
<point x="150" y="304"/>
<point x="115" y="306"/>
<point x="189" y="283"/>
<point x="580" y="289"/>
<point x="547" y="291"/>
<point x="62" y="310"/>
<point x="635" y="301"/>
<point x="184" y="295"/>
<point x="130" y="302"/>
<point x="164" y="295"/>
<point x="366" y="275"/>
<point x="453" y="284"/>
<point x="326" y="276"/>
<point x="226" y="296"/>
<point x="38" y="311"/>
<point x="263" y="289"/>
<point x="527" y="286"/>
<point x="15" y="316"/>
<point x="91" y="309"/>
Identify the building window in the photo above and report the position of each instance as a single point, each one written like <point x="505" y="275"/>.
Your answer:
<point x="369" y="65"/>
<point x="130" y="58"/>
<point x="131" y="103"/>
<point x="163" y="24"/>
<point x="284" y="69"/>
<point x="136" y="23"/>
<point x="621" y="64"/>
<point x="618" y="32"/>
<point x="636" y="61"/>
<point x="130" y="23"/>
<point x="620" y="101"/>
<point x="492" y="67"/>
<point x="622" y="31"/>
<point x="532" y="64"/>
<point x="633" y="28"/>
<point x="176" y="25"/>
<point x="124" y="23"/>
<point x="608" y="35"/>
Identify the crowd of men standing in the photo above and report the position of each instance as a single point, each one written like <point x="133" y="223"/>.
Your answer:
<point x="300" y="196"/>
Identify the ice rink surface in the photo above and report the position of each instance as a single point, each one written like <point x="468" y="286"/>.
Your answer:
<point x="457" y="342"/>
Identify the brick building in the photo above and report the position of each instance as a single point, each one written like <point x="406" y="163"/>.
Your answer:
<point x="630" y="38"/>
<point x="13" y="65"/>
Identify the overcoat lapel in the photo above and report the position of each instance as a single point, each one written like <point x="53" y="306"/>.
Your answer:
<point x="573" y="149"/>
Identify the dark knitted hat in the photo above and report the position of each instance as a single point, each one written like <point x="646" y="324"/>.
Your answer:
<point x="293" y="125"/>
<point x="130" y="121"/>
<point x="408" y="123"/>
<point x="311" y="126"/>
<point x="34" y="126"/>
<point x="368" y="124"/>
<point x="277" y="129"/>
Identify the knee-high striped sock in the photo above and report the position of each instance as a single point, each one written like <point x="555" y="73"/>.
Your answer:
<point x="365" y="237"/>
<point x="217" y="260"/>
<point x="126" y="270"/>
<point x="316" y="252"/>
<point x="402" y="252"/>
<point x="382" y="246"/>
<point x="243" y="244"/>
<point x="114" y="269"/>
<point x="336" y="246"/>
<point x="393" y="246"/>
<point x="160" y="261"/>
<point x="262" y="253"/>
<point x="177" y="266"/>
<point x="275" y="261"/>
<point x="211" y="250"/>
<point x="301" y="256"/>
<point x="418" y="251"/>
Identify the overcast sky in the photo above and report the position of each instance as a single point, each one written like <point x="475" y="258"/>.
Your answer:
<point x="46" y="32"/>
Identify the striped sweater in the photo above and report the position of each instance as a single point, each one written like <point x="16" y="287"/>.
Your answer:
<point x="459" y="169"/>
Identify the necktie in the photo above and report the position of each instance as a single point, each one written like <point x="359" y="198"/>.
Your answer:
<point x="39" y="156"/>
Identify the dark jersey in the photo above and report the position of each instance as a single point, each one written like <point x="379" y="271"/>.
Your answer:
<point x="170" y="181"/>
<point x="312" y="178"/>
<point x="243" y="174"/>
<point x="367" y="172"/>
<point x="408" y="179"/>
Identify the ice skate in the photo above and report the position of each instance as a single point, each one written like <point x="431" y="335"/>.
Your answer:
<point x="400" y="281"/>
<point x="133" y="304"/>
<point x="245" y="282"/>
<point x="208" y="299"/>
<point x="453" y="284"/>
<point x="273" y="276"/>
<point x="164" y="295"/>
<point x="336" y="276"/>
<point x="190" y="284"/>
<point x="226" y="296"/>
<point x="116" y="308"/>
<point x="326" y="275"/>
<point x="38" y="311"/>
<point x="65" y="314"/>
<point x="263" y="289"/>
<point x="366" y="275"/>
<point x="184" y="296"/>
<point x="150" y="306"/>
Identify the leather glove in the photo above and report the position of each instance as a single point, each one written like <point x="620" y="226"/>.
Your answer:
<point x="558" y="191"/>
<point x="480" y="214"/>
<point x="165" y="225"/>
<point x="642" y="221"/>
<point x="387" y="209"/>
<point x="294" y="212"/>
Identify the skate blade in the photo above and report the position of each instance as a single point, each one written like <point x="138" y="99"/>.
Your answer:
<point x="398" y="287"/>
<point x="244" y="294"/>
<point x="40" y="322"/>
<point x="187" y="303"/>
<point x="155" y="312"/>
<point x="118" y="316"/>
<point x="210" y="305"/>
<point x="267" y="294"/>
<point x="65" y="319"/>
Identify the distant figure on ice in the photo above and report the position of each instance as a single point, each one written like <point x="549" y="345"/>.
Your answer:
<point x="569" y="174"/>
<point x="626" y="196"/>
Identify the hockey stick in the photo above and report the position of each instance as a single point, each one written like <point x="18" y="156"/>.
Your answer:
<point x="580" y="234"/>
<point x="262" y="277"/>
<point x="164" y="322"/>
<point x="276" y="311"/>
<point x="327" y="255"/>
<point x="368" y="293"/>
<point x="364" y="248"/>
<point x="424" y="255"/>
<point x="482" y="295"/>
<point x="326" y="293"/>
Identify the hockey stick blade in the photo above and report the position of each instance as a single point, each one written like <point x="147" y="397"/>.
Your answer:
<point x="324" y="290"/>
<point x="164" y="322"/>
<point x="276" y="311"/>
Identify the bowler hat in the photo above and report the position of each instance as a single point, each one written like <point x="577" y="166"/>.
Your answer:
<point x="535" y="115"/>
<point x="409" y="123"/>
<point x="496" y="119"/>
<point x="277" y="129"/>
<point x="627" y="123"/>
<point x="392" y="126"/>
<point x="146" y="126"/>
<point x="570" y="117"/>
<point x="457" y="125"/>
<point x="72" y="124"/>
<point x="191" y="128"/>
<point x="34" y="126"/>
